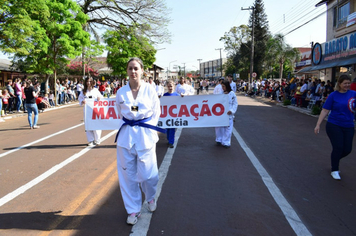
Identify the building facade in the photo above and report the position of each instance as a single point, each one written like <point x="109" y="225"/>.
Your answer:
<point x="337" y="55"/>
<point x="212" y="69"/>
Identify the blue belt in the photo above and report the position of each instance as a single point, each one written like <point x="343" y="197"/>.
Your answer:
<point x="139" y="123"/>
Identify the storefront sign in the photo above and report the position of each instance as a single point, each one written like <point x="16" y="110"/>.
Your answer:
<point x="336" y="49"/>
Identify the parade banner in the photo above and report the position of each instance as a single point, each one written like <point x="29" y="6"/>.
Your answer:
<point x="176" y="112"/>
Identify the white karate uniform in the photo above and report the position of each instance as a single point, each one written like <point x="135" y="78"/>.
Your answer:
<point x="136" y="146"/>
<point x="218" y="130"/>
<point x="233" y="86"/>
<point x="92" y="135"/>
<point x="159" y="90"/>
<point x="185" y="89"/>
<point x="225" y="135"/>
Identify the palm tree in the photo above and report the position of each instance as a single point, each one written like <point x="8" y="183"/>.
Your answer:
<point x="280" y="52"/>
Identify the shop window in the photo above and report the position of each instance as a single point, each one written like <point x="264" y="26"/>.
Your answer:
<point x="343" y="13"/>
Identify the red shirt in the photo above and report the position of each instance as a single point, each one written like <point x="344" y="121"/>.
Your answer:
<point x="102" y="88"/>
<point x="353" y="86"/>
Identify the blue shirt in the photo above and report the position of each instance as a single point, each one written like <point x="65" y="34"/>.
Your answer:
<point x="171" y="94"/>
<point x="342" y="108"/>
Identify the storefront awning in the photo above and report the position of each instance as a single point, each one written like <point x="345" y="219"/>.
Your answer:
<point x="343" y="62"/>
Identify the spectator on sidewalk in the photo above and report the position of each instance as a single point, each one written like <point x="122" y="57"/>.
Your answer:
<point x="340" y="106"/>
<point x="89" y="92"/>
<point x="170" y="132"/>
<point x="1" y="119"/>
<point x="11" y="97"/>
<point x="5" y="100"/>
<point x="353" y="85"/>
<point x="18" y="92"/>
<point x="31" y="106"/>
<point x="51" y="98"/>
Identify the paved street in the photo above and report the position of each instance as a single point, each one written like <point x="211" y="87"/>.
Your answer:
<point x="274" y="180"/>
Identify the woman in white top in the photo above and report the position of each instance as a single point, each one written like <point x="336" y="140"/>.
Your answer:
<point x="89" y="92"/>
<point x="227" y="130"/>
<point x="139" y="108"/>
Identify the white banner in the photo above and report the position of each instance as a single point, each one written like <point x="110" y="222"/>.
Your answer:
<point x="176" y="112"/>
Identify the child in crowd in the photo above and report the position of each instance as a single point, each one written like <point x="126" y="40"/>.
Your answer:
<point x="46" y="101"/>
<point x="1" y="119"/>
<point x="50" y="98"/>
<point x="5" y="99"/>
<point x="171" y="132"/>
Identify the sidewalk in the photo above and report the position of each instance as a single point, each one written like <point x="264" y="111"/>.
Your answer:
<point x="273" y="102"/>
<point x="15" y="115"/>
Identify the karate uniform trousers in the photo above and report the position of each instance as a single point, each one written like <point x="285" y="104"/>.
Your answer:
<point x="137" y="169"/>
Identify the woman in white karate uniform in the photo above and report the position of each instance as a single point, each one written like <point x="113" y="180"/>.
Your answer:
<point x="219" y="131"/>
<point x="227" y="130"/>
<point x="89" y="92"/>
<point x="138" y="105"/>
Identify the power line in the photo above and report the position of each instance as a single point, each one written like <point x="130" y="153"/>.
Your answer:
<point x="300" y="19"/>
<point x="294" y="12"/>
<point x="306" y="23"/>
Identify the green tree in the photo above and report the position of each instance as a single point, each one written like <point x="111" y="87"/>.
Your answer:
<point x="261" y="35"/>
<point x="150" y="18"/>
<point x="235" y="41"/>
<point x="281" y="53"/>
<point x="58" y="37"/>
<point x="17" y="26"/>
<point x="124" y="44"/>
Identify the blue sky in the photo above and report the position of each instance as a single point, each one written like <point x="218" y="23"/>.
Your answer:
<point x="197" y="26"/>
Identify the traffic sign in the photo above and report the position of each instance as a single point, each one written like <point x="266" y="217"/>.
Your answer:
<point x="254" y="74"/>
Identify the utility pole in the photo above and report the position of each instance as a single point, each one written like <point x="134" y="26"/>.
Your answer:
<point x="252" y="43"/>
<point x="199" y="66"/>
<point x="220" y="60"/>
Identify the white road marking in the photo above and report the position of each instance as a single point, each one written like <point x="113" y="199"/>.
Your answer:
<point x="294" y="221"/>
<point x="48" y="173"/>
<point x="39" y="140"/>
<point x="142" y="226"/>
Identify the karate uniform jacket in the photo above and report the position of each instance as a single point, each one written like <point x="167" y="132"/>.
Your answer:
<point x="148" y="105"/>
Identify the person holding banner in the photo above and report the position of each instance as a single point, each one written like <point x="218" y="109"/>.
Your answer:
<point x="89" y="92"/>
<point x="139" y="108"/>
<point x="227" y="130"/>
<point x="219" y="130"/>
<point x="171" y="131"/>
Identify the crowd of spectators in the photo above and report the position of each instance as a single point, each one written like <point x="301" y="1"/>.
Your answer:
<point x="12" y="96"/>
<point x="304" y="93"/>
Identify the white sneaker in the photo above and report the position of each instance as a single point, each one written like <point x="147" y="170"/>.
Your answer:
<point x="90" y="144"/>
<point x="335" y="175"/>
<point x="152" y="205"/>
<point x="97" y="142"/>
<point x="132" y="218"/>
